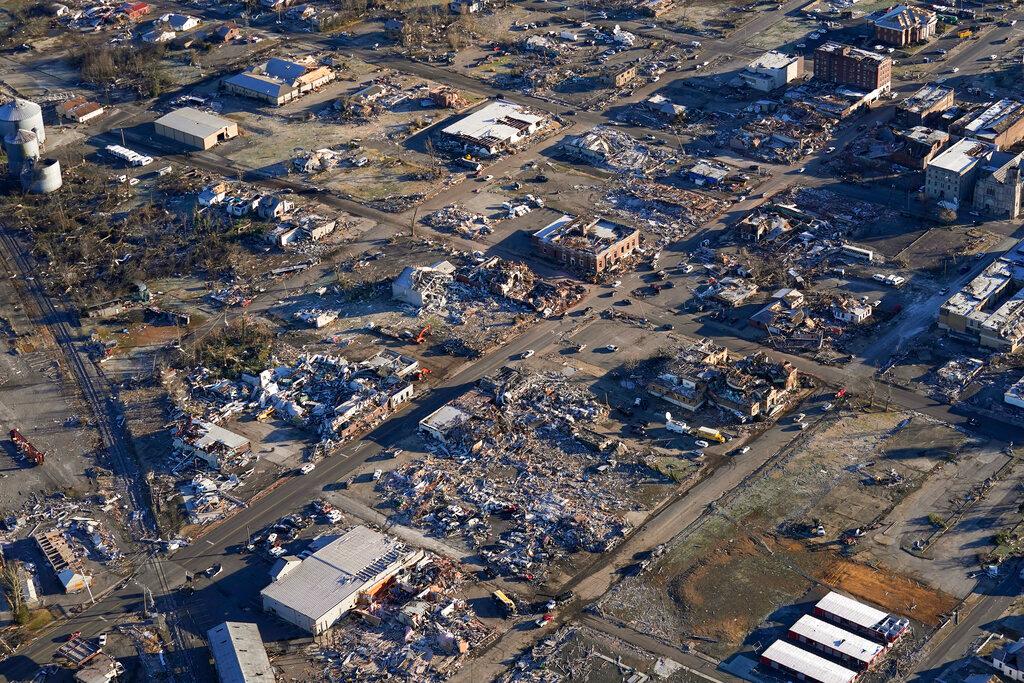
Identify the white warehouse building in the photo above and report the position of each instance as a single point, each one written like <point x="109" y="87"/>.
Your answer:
<point x="318" y="591"/>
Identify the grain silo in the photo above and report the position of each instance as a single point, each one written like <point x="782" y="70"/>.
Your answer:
<point x="20" y="146"/>
<point x="41" y="176"/>
<point x="19" y="114"/>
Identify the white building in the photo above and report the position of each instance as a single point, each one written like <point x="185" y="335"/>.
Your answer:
<point x="804" y="665"/>
<point x="329" y="583"/>
<point x="1014" y="396"/>
<point x="1009" y="660"/>
<point x="238" y="653"/>
<point x="772" y="70"/>
<point x="493" y="128"/>
<point x="951" y="175"/>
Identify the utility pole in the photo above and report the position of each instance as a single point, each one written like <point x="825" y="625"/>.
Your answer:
<point x="412" y="222"/>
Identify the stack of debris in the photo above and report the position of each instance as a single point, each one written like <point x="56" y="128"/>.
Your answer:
<point x="491" y="476"/>
<point x="458" y="221"/>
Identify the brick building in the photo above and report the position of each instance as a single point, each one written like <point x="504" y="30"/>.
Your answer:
<point x="846" y="65"/>
<point x="586" y="244"/>
<point x="903" y="25"/>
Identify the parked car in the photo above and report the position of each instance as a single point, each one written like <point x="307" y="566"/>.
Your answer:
<point x="307" y="468"/>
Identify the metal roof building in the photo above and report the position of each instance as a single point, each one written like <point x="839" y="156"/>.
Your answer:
<point x="195" y="128"/>
<point x="852" y="649"/>
<point x="864" y="619"/>
<point x="328" y="583"/>
<point x="238" y="653"/>
<point x="494" y="127"/>
<point x="784" y="656"/>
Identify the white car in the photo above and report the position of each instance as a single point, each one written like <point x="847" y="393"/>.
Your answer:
<point x="686" y="268"/>
<point x="528" y="353"/>
<point x="955" y="70"/>
<point x="102" y="640"/>
<point x="830" y="150"/>
<point x="827" y="407"/>
<point x="307" y="468"/>
<point x="278" y="551"/>
<point x="616" y="284"/>
<point x="701" y="443"/>
<point x="611" y="348"/>
<point x="745" y="449"/>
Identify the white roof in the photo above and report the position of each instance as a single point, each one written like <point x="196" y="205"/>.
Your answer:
<point x="962" y="156"/>
<point x="840" y="640"/>
<point x="445" y="417"/>
<point x="334" y="573"/>
<point x="772" y="60"/>
<point x="812" y="666"/>
<point x="238" y="653"/>
<point x="217" y="434"/>
<point x="194" y="122"/>
<point x="489" y="122"/>
<point x="851" y="610"/>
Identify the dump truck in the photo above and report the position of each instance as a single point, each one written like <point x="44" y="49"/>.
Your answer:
<point x="709" y="434"/>
<point x="505" y="603"/>
<point x="27" y="450"/>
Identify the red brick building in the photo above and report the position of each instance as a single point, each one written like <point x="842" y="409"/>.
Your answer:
<point x="846" y="65"/>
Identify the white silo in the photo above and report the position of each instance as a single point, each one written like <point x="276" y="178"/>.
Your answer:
<point x="41" y="176"/>
<point x="19" y="114"/>
<point x="20" y="146"/>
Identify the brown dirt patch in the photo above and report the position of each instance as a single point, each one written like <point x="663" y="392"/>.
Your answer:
<point x="894" y="592"/>
<point x="727" y="593"/>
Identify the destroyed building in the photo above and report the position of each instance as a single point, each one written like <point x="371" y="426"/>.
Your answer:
<point x="497" y="127"/>
<point x="1000" y="124"/>
<point x="424" y="286"/>
<point x="511" y="465"/>
<point x="989" y="310"/>
<point x="586" y="244"/>
<point x="210" y="443"/>
<point x="321" y="589"/>
<point x="924" y="106"/>
<point x="999" y="191"/>
<point x="918" y="146"/>
<point x="279" y="81"/>
<point x="62" y="560"/>
<point x="700" y="374"/>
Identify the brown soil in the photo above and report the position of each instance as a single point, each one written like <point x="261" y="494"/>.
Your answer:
<point x="893" y="592"/>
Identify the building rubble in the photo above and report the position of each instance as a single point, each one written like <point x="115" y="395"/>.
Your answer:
<point x="416" y="628"/>
<point x="491" y="477"/>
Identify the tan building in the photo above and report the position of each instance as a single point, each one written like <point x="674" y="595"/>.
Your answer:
<point x="194" y="128"/>
<point x="586" y="244"/>
<point x="619" y="76"/>
<point x="989" y="310"/>
<point x="279" y="80"/>
<point x="925" y="104"/>
<point x="1001" y="124"/>
<point x="998" y="192"/>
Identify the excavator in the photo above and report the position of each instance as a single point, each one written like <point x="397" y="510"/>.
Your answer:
<point x="423" y="334"/>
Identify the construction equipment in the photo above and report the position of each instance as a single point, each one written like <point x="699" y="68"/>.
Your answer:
<point x="423" y="334"/>
<point x="422" y="373"/>
<point x="27" y="450"/>
<point x="265" y="414"/>
<point x="506" y="604"/>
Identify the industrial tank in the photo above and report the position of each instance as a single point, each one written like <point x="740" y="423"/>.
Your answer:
<point x="19" y="114"/>
<point x="20" y="146"/>
<point x="41" y="176"/>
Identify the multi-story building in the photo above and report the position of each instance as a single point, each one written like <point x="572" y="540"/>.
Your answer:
<point x="951" y="175"/>
<point x="925" y="104"/>
<point x="772" y="70"/>
<point x="846" y="65"/>
<point x="587" y="244"/>
<point x="1001" y="123"/>
<point x="918" y="146"/>
<point x="989" y="310"/>
<point x="998" y="192"/>
<point x="904" y="25"/>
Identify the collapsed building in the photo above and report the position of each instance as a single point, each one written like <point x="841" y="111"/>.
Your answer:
<point x="517" y="469"/>
<point x="1000" y="124"/>
<point x="989" y="310"/>
<point x="924" y="106"/>
<point x="700" y="373"/>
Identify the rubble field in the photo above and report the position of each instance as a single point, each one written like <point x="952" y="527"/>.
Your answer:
<point x="792" y="528"/>
<point x="581" y="653"/>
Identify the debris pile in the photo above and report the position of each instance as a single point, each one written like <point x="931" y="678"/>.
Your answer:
<point x="456" y="220"/>
<point x="415" y="628"/>
<point x="517" y="470"/>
